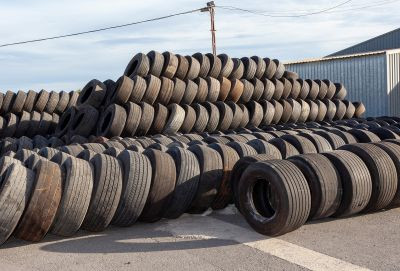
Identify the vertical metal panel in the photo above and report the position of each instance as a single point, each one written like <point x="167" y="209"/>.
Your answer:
<point x="387" y="41"/>
<point x="393" y="88"/>
<point x="363" y="76"/>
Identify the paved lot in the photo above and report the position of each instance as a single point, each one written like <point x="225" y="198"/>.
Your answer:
<point x="218" y="241"/>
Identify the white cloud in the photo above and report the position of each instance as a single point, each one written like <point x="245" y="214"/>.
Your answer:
<point x="69" y="63"/>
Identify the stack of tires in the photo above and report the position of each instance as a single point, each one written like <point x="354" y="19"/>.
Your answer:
<point x="168" y="93"/>
<point x="31" y="113"/>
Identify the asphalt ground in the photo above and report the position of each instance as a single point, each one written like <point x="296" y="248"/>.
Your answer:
<point x="217" y="241"/>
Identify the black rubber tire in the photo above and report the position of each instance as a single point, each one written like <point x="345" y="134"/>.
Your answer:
<point x="8" y="101"/>
<point x="287" y="111"/>
<point x="269" y="89"/>
<point x="250" y="68"/>
<point x="270" y="68"/>
<point x="73" y="98"/>
<point x="183" y="67"/>
<point x="146" y="119"/>
<point x="31" y="100"/>
<point x="77" y="189"/>
<point x="134" y="114"/>
<point x="48" y="152"/>
<point x="236" y="91"/>
<point x="330" y="109"/>
<point x="280" y="69"/>
<point x="112" y="121"/>
<point x="322" y="110"/>
<point x="356" y="182"/>
<point x="45" y="123"/>
<point x="279" y="87"/>
<point x="160" y="119"/>
<point x="187" y="179"/>
<point x="73" y="149"/>
<point x="204" y="64"/>
<point x="320" y="143"/>
<point x="65" y="121"/>
<point x="211" y="172"/>
<point x="333" y="139"/>
<point x="384" y="133"/>
<point x="194" y="68"/>
<point x="153" y="89"/>
<point x="18" y="103"/>
<point x="139" y="65"/>
<point x="340" y="92"/>
<point x="314" y="110"/>
<point x="156" y="61"/>
<point x="225" y="87"/>
<point x="92" y="94"/>
<point x="202" y="90"/>
<point x="261" y="66"/>
<point x="166" y="90"/>
<point x="138" y="90"/>
<point x="242" y="149"/>
<point x="256" y="114"/>
<point x="135" y="187"/>
<point x="52" y="102"/>
<point x="190" y="92"/>
<point x="122" y="91"/>
<point x="364" y="136"/>
<point x="296" y="110"/>
<point x="292" y="197"/>
<point x="225" y="116"/>
<point x="287" y="88"/>
<point x="162" y="185"/>
<point x="178" y="91"/>
<point x="359" y="109"/>
<point x="44" y="200"/>
<point x="10" y="127"/>
<point x="302" y="144"/>
<point x="175" y="119"/>
<point x="237" y="115"/>
<point x="15" y="190"/>
<point x="245" y="116"/>
<point x="304" y="89"/>
<point x="324" y="183"/>
<point x="85" y="121"/>
<point x="107" y="187"/>
<point x="226" y="65"/>
<point x="383" y="174"/>
<point x="238" y="69"/>
<point x="264" y="147"/>
<point x="287" y="150"/>
<point x="213" y="89"/>
<point x="229" y="158"/>
<point x="170" y="65"/>
<point x="190" y="119"/>
<point x="202" y="118"/>
<point x="215" y="65"/>
<point x="278" y="112"/>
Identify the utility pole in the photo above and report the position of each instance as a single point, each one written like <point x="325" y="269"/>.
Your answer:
<point x="210" y="8"/>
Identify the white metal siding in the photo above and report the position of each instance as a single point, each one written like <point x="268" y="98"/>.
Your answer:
<point x="393" y="88"/>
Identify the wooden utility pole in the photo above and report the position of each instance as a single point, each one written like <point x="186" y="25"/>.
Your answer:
<point x="211" y="8"/>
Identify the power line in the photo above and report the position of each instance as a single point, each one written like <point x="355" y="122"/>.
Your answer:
<point x="101" y="29"/>
<point x="284" y="16"/>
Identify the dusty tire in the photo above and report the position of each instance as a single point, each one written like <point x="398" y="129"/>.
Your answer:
<point x="7" y="103"/>
<point x="92" y="94"/>
<point x="153" y="89"/>
<point x="18" y="103"/>
<point x="51" y="104"/>
<point x="202" y="118"/>
<point x="215" y="65"/>
<point x="238" y="69"/>
<point x="364" y="136"/>
<point x="194" y="68"/>
<point x="236" y="91"/>
<point x="293" y="203"/>
<point x="302" y="144"/>
<point x="175" y="119"/>
<point x="134" y="114"/>
<point x="166" y="90"/>
<point x="287" y="150"/>
<point x="170" y="65"/>
<point x="85" y="121"/>
<point x="226" y="65"/>
<point x="270" y="68"/>
<point x="178" y="91"/>
<point x="269" y="90"/>
<point x="225" y="116"/>
<point x="139" y="65"/>
<point x="263" y="147"/>
<point x="31" y="100"/>
<point x="250" y="68"/>
<point x="112" y="121"/>
<point x="204" y="64"/>
<point x="146" y="119"/>
<point x="237" y="115"/>
<point x="256" y="114"/>
<point x="183" y="67"/>
<point x="190" y="119"/>
<point x="138" y="90"/>
<point x="190" y="92"/>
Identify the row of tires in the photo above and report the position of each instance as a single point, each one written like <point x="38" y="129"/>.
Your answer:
<point x="88" y="186"/>
<point x="279" y="196"/>
<point x="152" y="89"/>
<point x="201" y="65"/>
<point x="143" y="119"/>
<point x="43" y="101"/>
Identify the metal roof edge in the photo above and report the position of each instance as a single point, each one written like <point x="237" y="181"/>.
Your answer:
<point x="342" y="56"/>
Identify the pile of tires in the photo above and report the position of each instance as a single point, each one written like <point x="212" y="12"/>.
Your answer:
<point x="33" y="113"/>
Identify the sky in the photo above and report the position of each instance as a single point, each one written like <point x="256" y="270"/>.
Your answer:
<point x="69" y="63"/>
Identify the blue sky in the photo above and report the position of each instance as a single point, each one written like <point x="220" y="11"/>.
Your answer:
<point x="69" y="63"/>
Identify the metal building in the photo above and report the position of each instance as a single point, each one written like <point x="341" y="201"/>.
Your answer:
<point x="387" y="41"/>
<point x="373" y="78"/>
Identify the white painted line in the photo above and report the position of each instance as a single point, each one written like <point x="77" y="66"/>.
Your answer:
<point x="196" y="227"/>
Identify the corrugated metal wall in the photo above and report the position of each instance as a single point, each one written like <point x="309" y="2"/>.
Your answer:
<point x="387" y="41"/>
<point x="393" y="88"/>
<point x="364" y="77"/>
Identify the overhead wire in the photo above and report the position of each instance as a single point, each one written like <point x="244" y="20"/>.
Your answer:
<point x="101" y="29"/>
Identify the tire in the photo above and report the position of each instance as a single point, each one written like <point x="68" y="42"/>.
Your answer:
<point x="393" y="150"/>
<point x="16" y="186"/>
<point x="122" y="92"/>
<point x="322" y="110"/>
<point x="107" y="187"/>
<point x="314" y="89"/>
<point x="23" y="125"/>
<point x="229" y="158"/>
<point x="263" y="147"/>
<point x="323" y="181"/>
<point x="237" y="89"/>
<point x="92" y="94"/>
<point x="175" y="119"/>
<point x="183" y="67"/>
<point x="204" y="64"/>
<point x="77" y="139"/>
<point x="384" y="133"/>
<point x="323" y="89"/>
<point x="187" y="178"/>
<point x="280" y="69"/>
<point x="296" y="88"/>
<point x="226" y="116"/>
<point x="194" y="68"/>
<point x="226" y="65"/>
<point x="237" y="115"/>
<point x="44" y="200"/>
<point x="211" y="173"/>
<point x="8" y="101"/>
<point x="170" y="65"/>
<point x="23" y="156"/>
<point x="139" y="65"/>
<point x="112" y="121"/>
<point x="134" y="114"/>
<point x="314" y="110"/>
<point x="242" y="149"/>
<point x="45" y="123"/>
<point x="305" y="111"/>
<point x="153" y="89"/>
<point x="214" y="117"/>
<point x="51" y="104"/>
<point x="320" y="143"/>
<point x="347" y="137"/>
<point x="330" y="109"/>
<point x="135" y="188"/>
<point x="65" y="121"/>
<point x="77" y="191"/>
<point x="73" y="99"/>
<point x="248" y="90"/>
<point x="202" y="90"/>
<point x="31" y="100"/>
<point x="289" y="183"/>
<point x="166" y="90"/>
<point x="190" y="92"/>
<point x="258" y="89"/>
<point x="156" y="61"/>
<point x="296" y="110"/>
<point x="62" y="102"/>
<point x="383" y="174"/>
<point x="279" y="87"/>
<point x="250" y="68"/>
<point x="178" y="91"/>
<point x="278" y="112"/>
<point x="138" y="90"/>
<point x="190" y="119"/>
<point x="256" y="114"/>
<point x="304" y="89"/>
<point x="48" y="152"/>
<point x="356" y="182"/>
<point x="18" y="103"/>
<point x="73" y="150"/>
<point x="162" y="185"/>
<point x="359" y="109"/>
<point x="11" y="125"/>
<point x="331" y="89"/>
<point x="160" y="119"/>
<point x="238" y="69"/>
<point x="333" y="139"/>
<point x="363" y="136"/>
<point x="287" y="150"/>
<point x="261" y="66"/>
<point x="269" y="112"/>
<point x="270" y="68"/>
<point x="202" y="118"/>
<point x="213" y="89"/>
<point x="302" y="144"/>
<point x="287" y="111"/>
<point x="25" y="143"/>
<point x="225" y="87"/>
<point x="287" y="88"/>
<point x="146" y="119"/>
<point x="215" y="65"/>
<point x="95" y="147"/>
<point x="340" y="92"/>
<point x="269" y="90"/>
<point x="85" y="121"/>
<point x="340" y="109"/>
<point x="263" y="136"/>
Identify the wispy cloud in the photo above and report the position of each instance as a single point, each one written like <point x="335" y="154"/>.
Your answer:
<point x="69" y="63"/>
